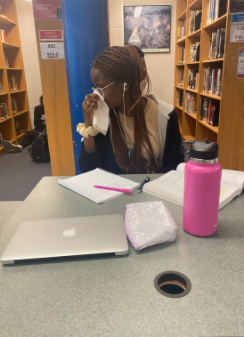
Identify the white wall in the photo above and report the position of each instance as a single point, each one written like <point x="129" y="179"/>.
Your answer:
<point x="29" y="50"/>
<point x="160" y="66"/>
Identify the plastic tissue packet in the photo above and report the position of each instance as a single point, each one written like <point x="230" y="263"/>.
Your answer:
<point x="148" y="224"/>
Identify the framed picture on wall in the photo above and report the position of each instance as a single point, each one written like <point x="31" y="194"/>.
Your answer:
<point x="149" y="27"/>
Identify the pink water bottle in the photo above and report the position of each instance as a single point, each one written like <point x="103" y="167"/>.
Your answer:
<point x="201" y="188"/>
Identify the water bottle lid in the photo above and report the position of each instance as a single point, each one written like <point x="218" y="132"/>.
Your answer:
<point x="201" y="150"/>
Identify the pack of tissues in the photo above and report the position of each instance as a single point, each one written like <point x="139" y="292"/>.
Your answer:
<point x="148" y="224"/>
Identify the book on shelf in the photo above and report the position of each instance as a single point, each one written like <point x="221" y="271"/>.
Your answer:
<point x="6" y="61"/>
<point x="1" y="90"/>
<point x="210" y="111"/>
<point x="191" y="103"/>
<point x="192" y="79"/>
<point x="214" y="46"/>
<point x="181" y="77"/>
<point x="221" y="48"/>
<point x="12" y="83"/>
<point x="17" y="128"/>
<point x="195" y="21"/>
<point x="170" y="186"/>
<point x="194" y="54"/>
<point x="1" y="136"/>
<point x="3" y="111"/>
<point x="182" y="55"/>
<point x="216" y="9"/>
<point x="3" y="35"/>
<point x="180" y="97"/>
<point x="14" y="105"/>
<point x="219" y="82"/>
<point x="182" y="31"/>
<point x="213" y="88"/>
<point x="212" y="81"/>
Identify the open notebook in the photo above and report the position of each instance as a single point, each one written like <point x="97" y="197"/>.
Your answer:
<point x="83" y="184"/>
<point x="170" y="186"/>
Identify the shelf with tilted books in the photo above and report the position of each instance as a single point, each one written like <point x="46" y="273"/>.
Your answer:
<point x="14" y="103"/>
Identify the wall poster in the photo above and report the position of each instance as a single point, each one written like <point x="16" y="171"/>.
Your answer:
<point x="149" y="27"/>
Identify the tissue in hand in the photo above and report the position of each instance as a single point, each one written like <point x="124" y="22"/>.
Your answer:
<point x="101" y="115"/>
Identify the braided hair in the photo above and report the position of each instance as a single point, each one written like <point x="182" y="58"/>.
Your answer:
<point x="127" y="64"/>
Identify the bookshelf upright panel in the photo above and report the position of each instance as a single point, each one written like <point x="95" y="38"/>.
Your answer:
<point x="13" y="93"/>
<point x="218" y="112"/>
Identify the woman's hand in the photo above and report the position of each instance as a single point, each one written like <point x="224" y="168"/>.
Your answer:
<point x="89" y="105"/>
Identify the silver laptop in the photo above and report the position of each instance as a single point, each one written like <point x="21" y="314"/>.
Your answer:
<point x="72" y="237"/>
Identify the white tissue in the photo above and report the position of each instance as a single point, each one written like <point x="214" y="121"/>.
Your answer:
<point x="101" y="115"/>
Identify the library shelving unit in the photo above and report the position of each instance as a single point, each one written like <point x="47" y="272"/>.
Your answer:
<point x="229" y="134"/>
<point x="12" y="127"/>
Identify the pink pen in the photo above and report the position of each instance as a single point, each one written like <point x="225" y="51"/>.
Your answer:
<point x="123" y="190"/>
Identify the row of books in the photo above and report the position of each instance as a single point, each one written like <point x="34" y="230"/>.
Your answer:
<point x="12" y="83"/>
<point x="216" y="9"/>
<point x="194" y="52"/>
<point x="191" y="103"/>
<point x="193" y="79"/>
<point x="195" y="21"/>
<point x="210" y="111"/>
<point x="3" y="111"/>
<point x="180" y="97"/>
<point x="5" y="108"/>
<point x="3" y="35"/>
<point x="217" y="44"/>
<point x="182" y="55"/>
<point x="181" y="77"/>
<point x="182" y="31"/>
<point x="212" y="82"/>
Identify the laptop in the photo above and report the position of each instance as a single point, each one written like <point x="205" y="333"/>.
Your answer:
<point x="38" y="241"/>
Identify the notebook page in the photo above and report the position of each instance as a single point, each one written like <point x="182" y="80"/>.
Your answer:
<point x="228" y="193"/>
<point x="83" y="184"/>
<point x="234" y="178"/>
<point x="169" y="187"/>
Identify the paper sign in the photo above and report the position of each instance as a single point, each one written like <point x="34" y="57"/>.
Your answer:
<point x="51" y="35"/>
<point x="51" y="51"/>
<point x="237" y="28"/>
<point x="236" y="6"/>
<point x="47" y="9"/>
<point x="240" y="64"/>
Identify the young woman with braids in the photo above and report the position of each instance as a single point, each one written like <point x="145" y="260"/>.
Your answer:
<point x="143" y="136"/>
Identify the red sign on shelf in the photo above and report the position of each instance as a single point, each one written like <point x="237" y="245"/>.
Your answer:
<point x="47" y="9"/>
<point x="51" y="35"/>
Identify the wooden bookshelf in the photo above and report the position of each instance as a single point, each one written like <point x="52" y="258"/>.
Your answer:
<point x="12" y="49"/>
<point x="229" y="134"/>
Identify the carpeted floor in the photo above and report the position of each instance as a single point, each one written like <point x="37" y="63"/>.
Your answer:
<point x="19" y="175"/>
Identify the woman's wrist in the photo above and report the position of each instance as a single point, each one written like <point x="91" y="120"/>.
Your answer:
<point x="88" y="122"/>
